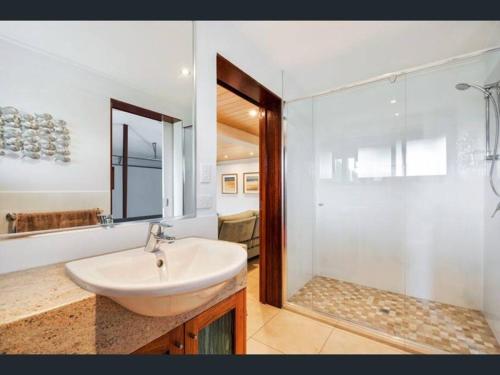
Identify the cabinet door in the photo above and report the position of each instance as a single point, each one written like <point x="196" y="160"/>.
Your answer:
<point x="171" y="343"/>
<point x="220" y="329"/>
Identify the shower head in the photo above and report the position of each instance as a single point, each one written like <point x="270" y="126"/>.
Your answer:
<point x="464" y="86"/>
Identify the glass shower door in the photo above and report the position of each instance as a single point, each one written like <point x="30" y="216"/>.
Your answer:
<point x="300" y="200"/>
<point x="389" y="205"/>
<point x="360" y="203"/>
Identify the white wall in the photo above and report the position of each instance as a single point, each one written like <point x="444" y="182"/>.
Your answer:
<point x="234" y="203"/>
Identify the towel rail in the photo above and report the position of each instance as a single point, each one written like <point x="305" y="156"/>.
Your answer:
<point x="11" y="216"/>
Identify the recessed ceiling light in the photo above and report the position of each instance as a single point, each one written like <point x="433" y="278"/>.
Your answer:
<point x="393" y="101"/>
<point x="396" y="114"/>
<point x="185" y="72"/>
<point x="251" y="153"/>
<point x="225" y="156"/>
<point x="252" y="113"/>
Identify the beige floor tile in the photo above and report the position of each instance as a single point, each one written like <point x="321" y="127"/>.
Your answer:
<point x="253" y="279"/>
<point x="255" y="347"/>
<point x="253" y="271"/>
<point x="343" y="342"/>
<point x="446" y="327"/>
<point x="293" y="333"/>
<point x="253" y="276"/>
<point x="258" y="315"/>
<point x="253" y="288"/>
<point x="253" y="263"/>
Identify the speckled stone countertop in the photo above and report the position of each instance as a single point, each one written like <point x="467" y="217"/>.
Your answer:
<point x="43" y="312"/>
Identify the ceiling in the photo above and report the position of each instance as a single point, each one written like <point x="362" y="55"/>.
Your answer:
<point x="319" y="55"/>
<point x="148" y="56"/>
<point x="237" y="127"/>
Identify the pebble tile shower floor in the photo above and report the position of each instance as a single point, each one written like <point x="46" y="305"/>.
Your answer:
<point x="446" y="327"/>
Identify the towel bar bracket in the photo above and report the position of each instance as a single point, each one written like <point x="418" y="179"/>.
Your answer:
<point x="11" y="216"/>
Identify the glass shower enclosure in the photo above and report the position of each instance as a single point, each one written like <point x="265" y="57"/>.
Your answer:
<point x="388" y="208"/>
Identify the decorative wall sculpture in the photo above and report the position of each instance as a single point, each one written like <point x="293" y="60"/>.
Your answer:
<point x="37" y="136"/>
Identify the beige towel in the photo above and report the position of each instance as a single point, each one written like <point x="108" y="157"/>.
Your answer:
<point x="28" y="222"/>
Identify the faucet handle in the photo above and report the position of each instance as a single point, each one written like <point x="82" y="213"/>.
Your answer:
<point x="496" y="210"/>
<point x="105" y="219"/>
<point x="155" y="229"/>
<point x="168" y="238"/>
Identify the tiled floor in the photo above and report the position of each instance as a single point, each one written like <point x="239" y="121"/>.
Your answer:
<point x="277" y="331"/>
<point x="450" y="328"/>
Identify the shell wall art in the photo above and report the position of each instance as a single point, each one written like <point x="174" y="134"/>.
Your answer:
<point x="33" y="136"/>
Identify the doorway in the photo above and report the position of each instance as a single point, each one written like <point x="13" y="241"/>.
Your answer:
<point x="238" y="178"/>
<point x="269" y="176"/>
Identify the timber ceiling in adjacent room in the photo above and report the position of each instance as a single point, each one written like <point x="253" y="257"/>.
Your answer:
<point x="237" y="127"/>
<point x="237" y="112"/>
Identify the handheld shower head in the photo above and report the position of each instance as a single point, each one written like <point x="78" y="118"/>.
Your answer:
<point x="464" y="86"/>
<point x="488" y="97"/>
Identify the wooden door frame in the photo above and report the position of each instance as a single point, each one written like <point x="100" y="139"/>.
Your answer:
<point x="124" y="172"/>
<point x="270" y="170"/>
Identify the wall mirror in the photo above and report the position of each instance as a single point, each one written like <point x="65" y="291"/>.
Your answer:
<point x="96" y="121"/>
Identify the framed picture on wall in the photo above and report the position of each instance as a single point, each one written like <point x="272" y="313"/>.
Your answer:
<point x="230" y="183"/>
<point x="251" y="183"/>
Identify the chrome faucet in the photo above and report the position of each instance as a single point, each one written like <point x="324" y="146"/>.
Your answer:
<point x="156" y="234"/>
<point x="105" y="220"/>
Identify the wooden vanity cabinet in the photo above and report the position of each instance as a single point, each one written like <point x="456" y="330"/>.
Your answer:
<point x="171" y="343"/>
<point x="220" y="329"/>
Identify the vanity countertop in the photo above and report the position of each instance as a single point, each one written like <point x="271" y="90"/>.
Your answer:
<point x="43" y="312"/>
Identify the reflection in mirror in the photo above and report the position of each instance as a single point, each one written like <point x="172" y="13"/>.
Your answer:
<point x="58" y="80"/>
<point x="136" y="167"/>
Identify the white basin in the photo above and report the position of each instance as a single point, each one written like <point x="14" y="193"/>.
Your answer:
<point x="193" y="271"/>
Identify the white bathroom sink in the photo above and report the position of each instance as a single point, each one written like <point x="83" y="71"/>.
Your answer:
<point x="192" y="273"/>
